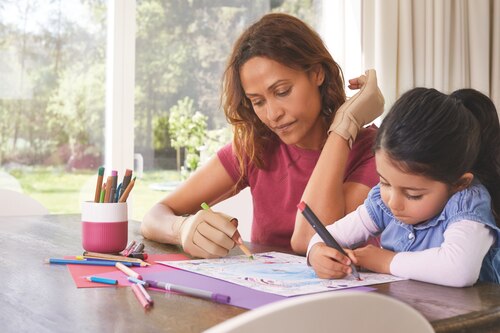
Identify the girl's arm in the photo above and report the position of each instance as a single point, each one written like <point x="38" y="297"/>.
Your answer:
<point x="165" y="222"/>
<point x="353" y="229"/>
<point x="456" y="263"/>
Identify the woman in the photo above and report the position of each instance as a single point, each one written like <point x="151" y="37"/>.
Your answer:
<point x="281" y="92"/>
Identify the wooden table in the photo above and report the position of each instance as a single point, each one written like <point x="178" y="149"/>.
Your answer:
<point x="38" y="297"/>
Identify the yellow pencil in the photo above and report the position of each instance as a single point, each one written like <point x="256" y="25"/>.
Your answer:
<point x="97" y="255"/>
<point x="242" y="246"/>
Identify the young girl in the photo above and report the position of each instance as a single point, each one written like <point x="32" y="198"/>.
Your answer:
<point x="437" y="206"/>
<point x="282" y="91"/>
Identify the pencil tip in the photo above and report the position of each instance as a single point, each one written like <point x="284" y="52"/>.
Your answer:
<point x="250" y="257"/>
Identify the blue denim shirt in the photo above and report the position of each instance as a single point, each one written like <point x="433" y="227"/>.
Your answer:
<point x="472" y="203"/>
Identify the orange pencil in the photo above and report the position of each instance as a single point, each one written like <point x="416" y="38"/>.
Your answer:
<point x="100" y="175"/>
<point x="109" y="184"/>
<point x="129" y="188"/>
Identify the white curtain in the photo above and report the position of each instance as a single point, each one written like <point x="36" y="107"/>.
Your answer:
<point x="340" y="28"/>
<point x="443" y="44"/>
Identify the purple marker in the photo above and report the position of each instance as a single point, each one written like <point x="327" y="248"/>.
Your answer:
<point x="220" y="298"/>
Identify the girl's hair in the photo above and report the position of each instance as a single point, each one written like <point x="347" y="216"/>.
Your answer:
<point x="291" y="42"/>
<point x="444" y="136"/>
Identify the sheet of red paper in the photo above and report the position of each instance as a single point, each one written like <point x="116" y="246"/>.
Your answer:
<point x="80" y="272"/>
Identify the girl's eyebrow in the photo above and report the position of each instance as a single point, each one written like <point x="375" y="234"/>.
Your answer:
<point x="403" y="188"/>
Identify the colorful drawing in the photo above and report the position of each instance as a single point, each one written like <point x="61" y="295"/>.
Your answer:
<point x="274" y="272"/>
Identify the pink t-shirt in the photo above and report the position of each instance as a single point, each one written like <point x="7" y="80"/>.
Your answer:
<point x="277" y="190"/>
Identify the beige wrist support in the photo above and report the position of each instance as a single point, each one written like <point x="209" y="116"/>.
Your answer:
<point x="361" y="109"/>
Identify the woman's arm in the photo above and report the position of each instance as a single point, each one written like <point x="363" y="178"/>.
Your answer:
<point x="326" y="193"/>
<point x="165" y="222"/>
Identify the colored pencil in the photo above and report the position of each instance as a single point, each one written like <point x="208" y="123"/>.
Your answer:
<point x="100" y="175"/>
<point x="109" y="184"/>
<point x="127" y="263"/>
<point x="126" y="180"/>
<point x="83" y="262"/>
<point x="101" y="280"/>
<point x="88" y="254"/>
<point x="103" y="193"/>
<point x="126" y="193"/>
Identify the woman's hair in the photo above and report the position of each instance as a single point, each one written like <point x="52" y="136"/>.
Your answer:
<point x="444" y="136"/>
<point x="291" y="42"/>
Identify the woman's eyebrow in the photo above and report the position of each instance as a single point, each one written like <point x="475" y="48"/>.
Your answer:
<point x="270" y="88"/>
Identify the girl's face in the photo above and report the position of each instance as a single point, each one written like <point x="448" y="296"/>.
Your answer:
<point x="286" y="100"/>
<point x="411" y="198"/>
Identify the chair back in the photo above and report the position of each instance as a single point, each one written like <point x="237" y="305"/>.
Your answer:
<point x="339" y="311"/>
<point x="13" y="203"/>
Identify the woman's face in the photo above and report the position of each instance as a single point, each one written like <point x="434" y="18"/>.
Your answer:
<point x="286" y="100"/>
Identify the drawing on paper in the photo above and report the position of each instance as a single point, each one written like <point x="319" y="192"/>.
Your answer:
<point x="274" y="272"/>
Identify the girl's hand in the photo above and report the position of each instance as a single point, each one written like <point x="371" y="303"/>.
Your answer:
<point x="374" y="258"/>
<point x="329" y="263"/>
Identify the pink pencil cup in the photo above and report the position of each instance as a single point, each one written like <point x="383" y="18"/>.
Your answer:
<point x="104" y="226"/>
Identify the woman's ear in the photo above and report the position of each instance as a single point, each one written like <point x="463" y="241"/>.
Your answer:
<point x="463" y="182"/>
<point x="318" y="74"/>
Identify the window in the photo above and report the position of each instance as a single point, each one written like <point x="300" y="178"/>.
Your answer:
<point x="64" y="65"/>
<point x="52" y="98"/>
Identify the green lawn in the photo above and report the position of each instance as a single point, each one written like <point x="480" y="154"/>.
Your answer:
<point x="62" y="192"/>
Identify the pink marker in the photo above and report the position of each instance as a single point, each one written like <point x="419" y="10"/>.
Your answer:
<point x="128" y="271"/>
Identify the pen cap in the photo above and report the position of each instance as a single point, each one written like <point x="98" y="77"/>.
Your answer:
<point x="104" y="226"/>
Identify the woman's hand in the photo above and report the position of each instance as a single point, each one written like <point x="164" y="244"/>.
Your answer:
<point x="374" y="258"/>
<point x="328" y="263"/>
<point x="359" y="110"/>
<point x="207" y="234"/>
